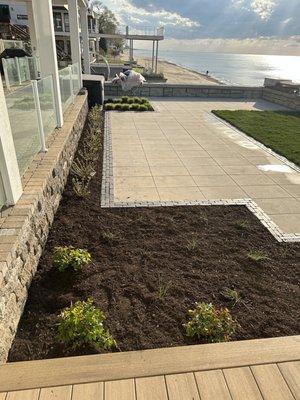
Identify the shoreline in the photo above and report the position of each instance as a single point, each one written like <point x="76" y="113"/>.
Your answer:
<point x="207" y="77"/>
<point x="178" y="74"/>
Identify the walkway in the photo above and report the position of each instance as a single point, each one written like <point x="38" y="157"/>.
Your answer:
<point x="182" y="152"/>
<point x="267" y="369"/>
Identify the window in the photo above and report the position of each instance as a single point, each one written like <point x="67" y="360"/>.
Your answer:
<point x="4" y="13"/>
<point x="67" y="23"/>
<point x="57" y="22"/>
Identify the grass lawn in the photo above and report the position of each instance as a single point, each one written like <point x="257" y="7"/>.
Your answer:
<point x="279" y="130"/>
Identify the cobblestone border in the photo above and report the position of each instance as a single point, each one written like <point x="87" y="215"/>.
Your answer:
<point x="107" y="192"/>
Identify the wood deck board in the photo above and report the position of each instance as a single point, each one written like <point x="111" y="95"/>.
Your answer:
<point x="212" y="385"/>
<point x="56" y="393"/>
<point x="24" y="395"/>
<point x="182" y="387"/>
<point x="108" y="367"/>
<point x="120" y="390"/>
<point x="88" y="391"/>
<point x="291" y="374"/>
<point x="271" y="383"/>
<point x="151" y="388"/>
<point x="184" y="373"/>
<point x="241" y="384"/>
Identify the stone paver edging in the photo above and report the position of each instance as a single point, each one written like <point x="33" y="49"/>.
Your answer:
<point x="107" y="191"/>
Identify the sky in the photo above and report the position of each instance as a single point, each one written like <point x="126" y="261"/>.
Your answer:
<point x="263" y="26"/>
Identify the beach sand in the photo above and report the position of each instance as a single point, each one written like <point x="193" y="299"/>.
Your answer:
<point x="178" y="75"/>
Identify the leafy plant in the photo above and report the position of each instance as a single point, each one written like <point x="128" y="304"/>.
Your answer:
<point x="110" y="107"/>
<point x="83" y="169"/>
<point x="124" y="99"/>
<point x="82" y="324"/>
<point x="108" y="236"/>
<point x="232" y="295"/>
<point x="118" y="106"/>
<point x="142" y="107"/>
<point x="125" y="107"/>
<point x="163" y="288"/>
<point x="257" y="256"/>
<point x="209" y="324"/>
<point x="242" y="224"/>
<point x="80" y="187"/>
<point x="192" y="244"/>
<point x="69" y="257"/>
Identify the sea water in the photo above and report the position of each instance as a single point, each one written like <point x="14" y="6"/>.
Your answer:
<point x="235" y="69"/>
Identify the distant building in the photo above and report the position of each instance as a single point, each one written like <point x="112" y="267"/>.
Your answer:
<point x="14" y="22"/>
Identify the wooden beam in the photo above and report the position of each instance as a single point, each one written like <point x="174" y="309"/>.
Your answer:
<point x="108" y="367"/>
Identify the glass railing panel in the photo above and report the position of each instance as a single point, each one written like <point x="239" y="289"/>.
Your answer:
<point x="24" y="125"/>
<point x="65" y="87"/>
<point x="12" y="71"/>
<point x="47" y="103"/>
<point x="24" y="69"/>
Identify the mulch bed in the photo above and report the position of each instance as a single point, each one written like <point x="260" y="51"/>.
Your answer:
<point x="145" y="278"/>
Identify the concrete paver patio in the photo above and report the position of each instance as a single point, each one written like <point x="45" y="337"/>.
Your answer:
<point x="182" y="152"/>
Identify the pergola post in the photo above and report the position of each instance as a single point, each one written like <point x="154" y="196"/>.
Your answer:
<point x="85" y="39"/>
<point x="75" y="36"/>
<point x="31" y="28"/>
<point x="46" y="49"/>
<point x="153" y="51"/>
<point x="9" y="169"/>
<point x="156" y="59"/>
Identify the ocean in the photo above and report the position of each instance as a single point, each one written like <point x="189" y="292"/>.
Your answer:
<point x="235" y="69"/>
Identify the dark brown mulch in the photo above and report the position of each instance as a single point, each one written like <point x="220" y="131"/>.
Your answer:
<point x="148" y="255"/>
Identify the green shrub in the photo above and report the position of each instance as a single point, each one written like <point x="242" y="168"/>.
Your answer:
<point x="110" y="106"/>
<point x="130" y="100"/>
<point x="143" y="100"/>
<point x="124" y="99"/>
<point x="82" y="324"/>
<point x="69" y="257"/>
<point x="125" y="107"/>
<point x="118" y="106"/>
<point x="210" y="324"/>
<point x="142" y="107"/>
<point x="134" y="107"/>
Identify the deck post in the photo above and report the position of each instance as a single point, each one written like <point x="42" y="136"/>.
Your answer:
<point x="153" y="51"/>
<point x="9" y="169"/>
<point x="75" y="36"/>
<point x="46" y="49"/>
<point x="156" y="61"/>
<point x="85" y="39"/>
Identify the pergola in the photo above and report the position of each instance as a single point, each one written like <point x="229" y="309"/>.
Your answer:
<point x="41" y="28"/>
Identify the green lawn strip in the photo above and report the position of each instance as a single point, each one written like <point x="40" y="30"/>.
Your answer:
<point x="278" y="130"/>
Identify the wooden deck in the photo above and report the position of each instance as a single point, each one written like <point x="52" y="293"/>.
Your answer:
<point x="247" y="370"/>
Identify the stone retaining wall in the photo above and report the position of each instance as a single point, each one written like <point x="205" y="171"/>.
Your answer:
<point x="24" y="228"/>
<point x="281" y="98"/>
<point x="169" y="90"/>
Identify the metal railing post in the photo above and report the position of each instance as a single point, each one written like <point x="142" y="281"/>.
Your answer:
<point x="18" y="70"/>
<point x="71" y="84"/>
<point x="4" y="64"/>
<point x="39" y="116"/>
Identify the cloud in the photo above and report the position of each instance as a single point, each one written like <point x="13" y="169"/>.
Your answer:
<point x="264" y="8"/>
<point x="263" y="45"/>
<point x="126" y="12"/>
